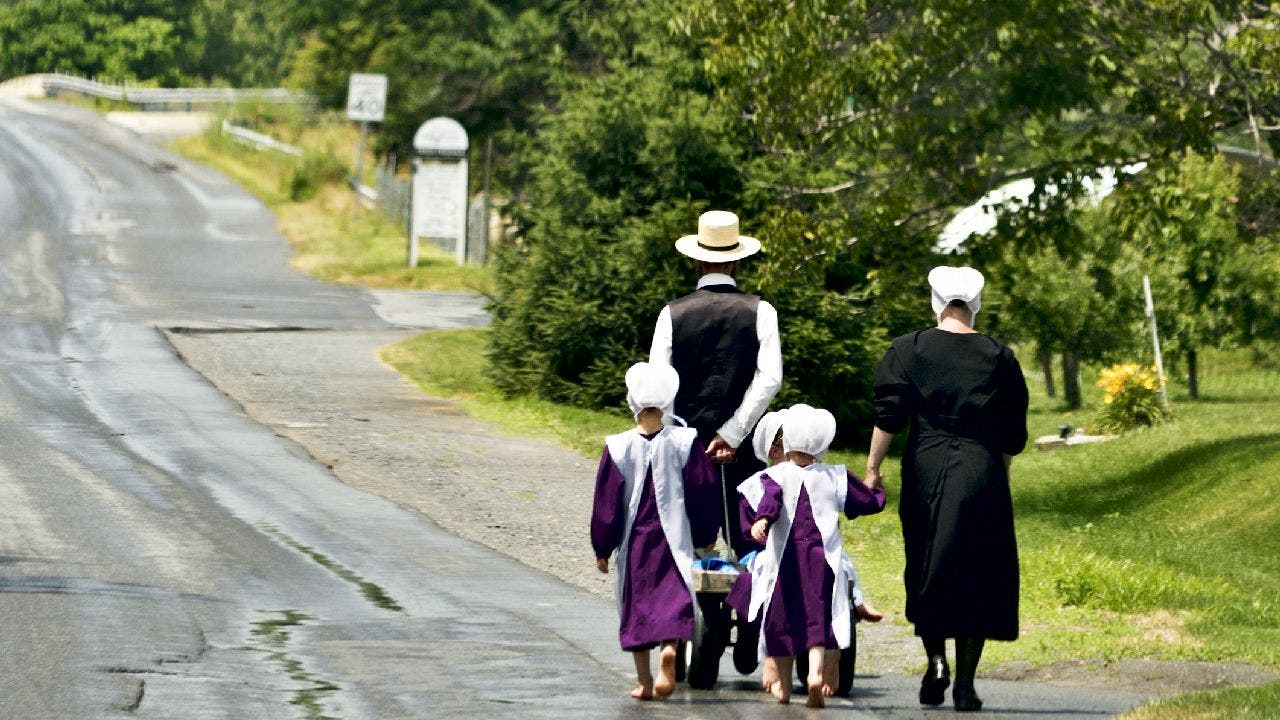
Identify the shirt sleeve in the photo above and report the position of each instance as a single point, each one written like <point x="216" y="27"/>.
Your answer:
<point x="1013" y="386"/>
<point x="893" y="393"/>
<point x="660" y="347"/>
<point x="703" y="501"/>
<point x="747" y="518"/>
<point x="862" y="500"/>
<point x="608" y="513"/>
<point x="770" y="507"/>
<point x="764" y="383"/>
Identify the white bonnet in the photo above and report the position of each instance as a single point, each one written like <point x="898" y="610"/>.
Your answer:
<point x="955" y="283"/>
<point x="808" y="430"/>
<point x="651" y="385"/>
<point x="766" y="431"/>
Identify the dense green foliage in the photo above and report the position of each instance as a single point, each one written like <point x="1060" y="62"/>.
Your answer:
<point x="235" y="42"/>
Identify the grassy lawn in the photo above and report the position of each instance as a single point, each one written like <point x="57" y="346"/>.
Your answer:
<point x="329" y="244"/>
<point x="1162" y="544"/>
<point x="1251" y="703"/>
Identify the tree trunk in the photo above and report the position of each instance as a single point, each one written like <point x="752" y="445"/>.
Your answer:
<point x="1046" y="366"/>
<point x="1071" y="379"/>
<point x="1193" y="382"/>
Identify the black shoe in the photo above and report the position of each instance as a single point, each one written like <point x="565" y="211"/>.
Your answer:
<point x="933" y="686"/>
<point x="965" y="697"/>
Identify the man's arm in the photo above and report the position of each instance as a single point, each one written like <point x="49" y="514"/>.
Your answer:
<point x="660" y="348"/>
<point x="764" y="384"/>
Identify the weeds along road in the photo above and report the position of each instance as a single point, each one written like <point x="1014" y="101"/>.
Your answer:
<point x="164" y="556"/>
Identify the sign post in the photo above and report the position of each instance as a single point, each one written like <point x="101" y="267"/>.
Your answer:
<point x="366" y="103"/>
<point x="439" y="190"/>
<point x="1155" y="340"/>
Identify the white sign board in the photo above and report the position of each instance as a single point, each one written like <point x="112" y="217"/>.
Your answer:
<point x="440" y="203"/>
<point x="366" y="97"/>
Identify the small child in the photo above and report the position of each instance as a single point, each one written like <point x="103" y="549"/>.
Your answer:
<point x="799" y="588"/>
<point x="657" y="497"/>
<point x="767" y="443"/>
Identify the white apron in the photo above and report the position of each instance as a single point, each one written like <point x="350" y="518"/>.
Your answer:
<point x="827" y="486"/>
<point x="666" y="453"/>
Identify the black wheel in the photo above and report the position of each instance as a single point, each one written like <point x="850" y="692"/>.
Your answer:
<point x="746" y="647"/>
<point x="848" y="663"/>
<point x="802" y="669"/>
<point x="709" y="638"/>
<point x="682" y="659"/>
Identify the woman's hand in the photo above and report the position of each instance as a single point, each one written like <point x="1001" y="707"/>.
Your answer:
<point x="602" y="564"/>
<point x="760" y="530"/>
<point x="874" y="479"/>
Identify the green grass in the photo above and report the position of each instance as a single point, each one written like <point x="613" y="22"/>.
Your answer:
<point x="451" y="363"/>
<point x="329" y="244"/>
<point x="1245" y="703"/>
<point x="1164" y="543"/>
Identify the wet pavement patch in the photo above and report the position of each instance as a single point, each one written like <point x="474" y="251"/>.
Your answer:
<point x="271" y="636"/>
<point x="371" y="592"/>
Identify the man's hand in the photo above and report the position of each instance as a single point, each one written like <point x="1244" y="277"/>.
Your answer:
<point x="720" y="451"/>
<point x="602" y="564"/>
<point x="760" y="530"/>
<point x="874" y="479"/>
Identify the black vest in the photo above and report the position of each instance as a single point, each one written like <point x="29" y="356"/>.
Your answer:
<point x="714" y="344"/>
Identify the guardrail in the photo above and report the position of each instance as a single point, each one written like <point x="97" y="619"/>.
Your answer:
<point x="151" y="98"/>
<point x="258" y="140"/>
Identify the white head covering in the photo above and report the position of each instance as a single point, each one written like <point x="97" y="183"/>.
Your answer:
<point x="766" y="431"/>
<point x="808" y="430"/>
<point x="956" y="283"/>
<point x="651" y="385"/>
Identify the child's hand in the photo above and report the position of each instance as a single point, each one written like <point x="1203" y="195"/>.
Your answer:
<point x="760" y="529"/>
<point x="602" y="564"/>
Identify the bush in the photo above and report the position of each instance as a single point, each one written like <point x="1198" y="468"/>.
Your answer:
<point x="315" y="170"/>
<point x="1130" y="398"/>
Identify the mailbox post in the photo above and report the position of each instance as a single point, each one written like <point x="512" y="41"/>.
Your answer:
<point x="439" y="195"/>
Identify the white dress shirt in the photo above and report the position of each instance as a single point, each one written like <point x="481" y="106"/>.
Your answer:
<point x="768" y="374"/>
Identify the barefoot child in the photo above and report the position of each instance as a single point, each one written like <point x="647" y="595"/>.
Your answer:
<point x="656" y="499"/>
<point x="799" y="588"/>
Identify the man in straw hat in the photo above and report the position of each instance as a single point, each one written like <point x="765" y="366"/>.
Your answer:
<point x="724" y="344"/>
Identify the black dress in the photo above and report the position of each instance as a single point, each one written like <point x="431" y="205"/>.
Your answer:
<point x="966" y="402"/>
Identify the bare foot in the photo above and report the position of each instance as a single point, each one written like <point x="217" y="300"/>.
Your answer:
<point x="643" y="690"/>
<point x="769" y="674"/>
<point x="666" y="682"/>
<point x="868" y="613"/>
<point x="831" y="673"/>
<point x="817" y="698"/>
<point x="781" y="691"/>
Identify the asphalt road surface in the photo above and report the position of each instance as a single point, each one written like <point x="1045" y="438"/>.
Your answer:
<point x="162" y="555"/>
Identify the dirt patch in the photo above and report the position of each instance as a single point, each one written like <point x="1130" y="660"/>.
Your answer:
<point x="1161" y="678"/>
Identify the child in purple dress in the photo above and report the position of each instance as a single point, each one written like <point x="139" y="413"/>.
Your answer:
<point x="800" y="579"/>
<point x="767" y="443"/>
<point x="656" y="499"/>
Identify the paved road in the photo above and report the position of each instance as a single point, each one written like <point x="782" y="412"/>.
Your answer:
<point x="163" y="555"/>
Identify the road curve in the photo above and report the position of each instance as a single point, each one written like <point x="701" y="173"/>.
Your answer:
<point x="163" y="556"/>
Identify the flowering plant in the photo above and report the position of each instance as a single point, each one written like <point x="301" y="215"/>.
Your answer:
<point x="1129" y="398"/>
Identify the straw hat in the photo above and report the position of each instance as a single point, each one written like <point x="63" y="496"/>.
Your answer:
<point x="717" y="240"/>
<point x="955" y="283"/>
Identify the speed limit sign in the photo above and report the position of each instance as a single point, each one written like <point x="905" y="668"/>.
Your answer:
<point x="366" y="97"/>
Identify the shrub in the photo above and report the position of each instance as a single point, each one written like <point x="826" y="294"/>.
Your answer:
<point x="315" y="170"/>
<point x="1130" y="398"/>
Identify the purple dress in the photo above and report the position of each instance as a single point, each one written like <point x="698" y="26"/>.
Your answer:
<point x="799" y="615"/>
<point x="655" y="605"/>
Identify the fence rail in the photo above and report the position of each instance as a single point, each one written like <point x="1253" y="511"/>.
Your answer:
<point x="54" y="83"/>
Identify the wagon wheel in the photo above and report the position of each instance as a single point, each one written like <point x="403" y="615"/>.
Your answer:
<point x="682" y="659"/>
<point x="848" y="661"/>
<point x="746" y="647"/>
<point x="703" y="656"/>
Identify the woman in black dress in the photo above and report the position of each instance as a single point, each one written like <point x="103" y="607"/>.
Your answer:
<point x="964" y="399"/>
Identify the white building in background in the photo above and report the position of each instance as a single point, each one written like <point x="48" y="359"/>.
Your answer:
<point x="980" y="217"/>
